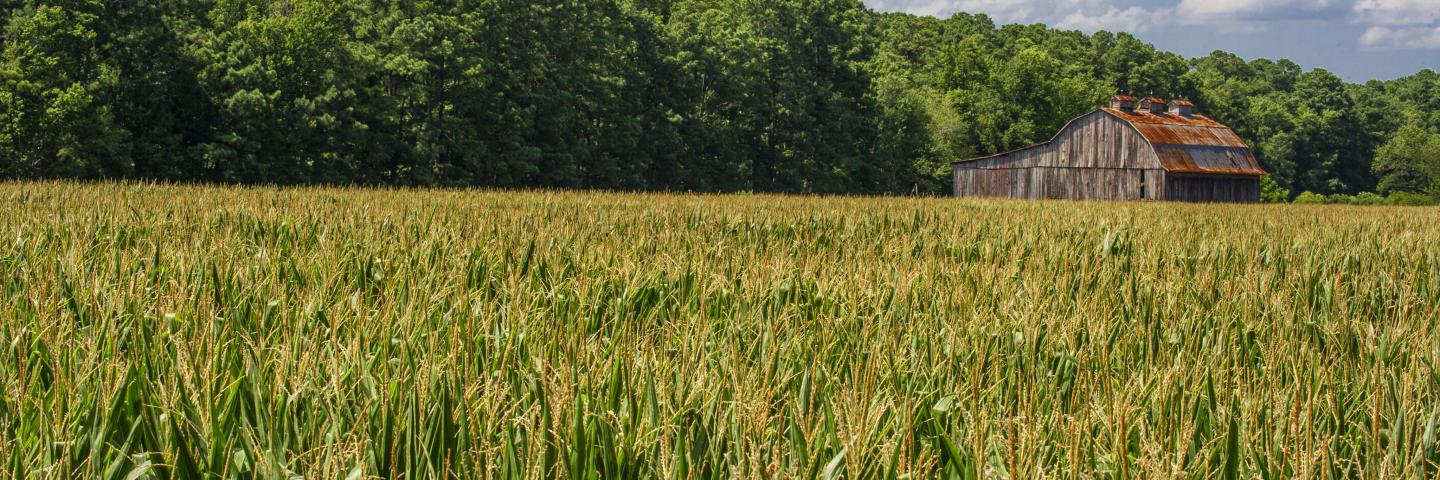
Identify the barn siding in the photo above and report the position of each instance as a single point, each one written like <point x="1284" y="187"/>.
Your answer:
<point x="1065" y="183"/>
<point x="1211" y="188"/>
<point x="1096" y="157"/>
<point x="1098" y="140"/>
<point x="1154" y="187"/>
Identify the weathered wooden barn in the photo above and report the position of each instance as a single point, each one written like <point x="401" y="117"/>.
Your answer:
<point x="1153" y="152"/>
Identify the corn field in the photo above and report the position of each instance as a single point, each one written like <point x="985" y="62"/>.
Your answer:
<point x="157" y="331"/>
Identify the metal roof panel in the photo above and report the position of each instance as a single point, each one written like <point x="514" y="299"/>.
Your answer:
<point x="1196" y="159"/>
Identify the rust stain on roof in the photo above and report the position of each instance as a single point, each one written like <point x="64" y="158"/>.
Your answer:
<point x="1162" y="134"/>
<point x="1141" y="116"/>
<point x="1191" y="159"/>
<point x="1168" y="129"/>
<point x="1195" y="144"/>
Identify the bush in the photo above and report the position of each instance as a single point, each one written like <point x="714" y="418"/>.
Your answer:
<point x="1340" y="199"/>
<point x="1310" y="198"/>
<point x="1409" y="198"/>
<point x="1272" y="192"/>
<point x="1368" y="198"/>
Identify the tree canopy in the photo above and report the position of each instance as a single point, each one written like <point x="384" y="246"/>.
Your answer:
<point x="810" y="96"/>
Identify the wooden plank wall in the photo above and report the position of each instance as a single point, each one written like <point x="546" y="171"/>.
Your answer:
<point x="1060" y="183"/>
<point x="1207" y="188"/>
<point x="1097" y="157"/>
<point x="1154" y="187"/>
<point x="1100" y="140"/>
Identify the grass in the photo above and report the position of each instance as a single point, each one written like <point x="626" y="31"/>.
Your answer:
<point x="155" y="331"/>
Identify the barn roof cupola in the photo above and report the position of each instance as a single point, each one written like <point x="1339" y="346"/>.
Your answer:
<point x="1122" y="102"/>
<point x="1182" y="107"/>
<point x="1153" y="105"/>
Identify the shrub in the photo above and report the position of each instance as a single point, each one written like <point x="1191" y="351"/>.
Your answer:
<point x="1272" y="192"/>
<point x="1310" y="198"/>
<point x="1368" y="198"/>
<point x="1340" y="199"/>
<point x="1409" y="198"/>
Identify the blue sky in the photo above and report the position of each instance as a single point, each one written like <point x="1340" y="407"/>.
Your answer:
<point x="1357" y="39"/>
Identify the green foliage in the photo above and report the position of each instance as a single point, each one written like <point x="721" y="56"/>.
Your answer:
<point x="1305" y="135"/>
<point x="1410" y="199"/>
<point x="53" y="119"/>
<point x="811" y="96"/>
<point x="1410" y="161"/>
<point x="1311" y="198"/>
<point x="1363" y="198"/>
<point x="1367" y="198"/>
<point x="1272" y="192"/>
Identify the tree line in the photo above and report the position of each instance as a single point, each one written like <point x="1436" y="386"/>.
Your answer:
<point x="805" y="96"/>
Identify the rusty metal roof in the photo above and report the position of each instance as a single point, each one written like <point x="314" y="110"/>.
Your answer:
<point x="1182" y="103"/>
<point x="1169" y="129"/>
<point x="1170" y="134"/>
<point x="1194" y="144"/>
<point x="1141" y="116"/>
<point x="1123" y="98"/>
<point x="1191" y="159"/>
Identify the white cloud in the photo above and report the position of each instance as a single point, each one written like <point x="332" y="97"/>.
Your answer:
<point x="1398" y="12"/>
<point x="1228" y="16"/>
<point x="1401" y="38"/>
<point x="1399" y="24"/>
<point x="1091" y="15"/>
<point x="1212" y="11"/>
<point x="936" y="8"/>
<point x="1389" y="24"/>
<point x="1004" y="11"/>
<point x="1132" y="19"/>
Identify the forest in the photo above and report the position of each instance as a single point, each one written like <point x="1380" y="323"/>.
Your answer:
<point x="788" y="96"/>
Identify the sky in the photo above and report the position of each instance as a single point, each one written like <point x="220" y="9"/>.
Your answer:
<point x="1359" y="40"/>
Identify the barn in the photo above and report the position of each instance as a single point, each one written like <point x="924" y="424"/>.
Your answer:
<point x="1153" y="151"/>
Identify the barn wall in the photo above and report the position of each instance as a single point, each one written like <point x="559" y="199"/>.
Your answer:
<point x="1099" y="140"/>
<point x="1060" y="183"/>
<point x="1096" y="157"/>
<point x="1154" y="187"/>
<point x="1212" y="188"/>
